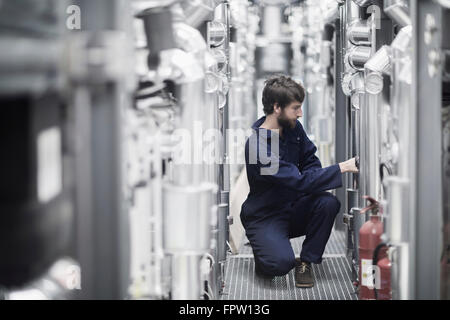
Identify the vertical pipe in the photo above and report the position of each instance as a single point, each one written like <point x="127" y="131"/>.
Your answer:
<point x="272" y="16"/>
<point x="104" y="260"/>
<point x="340" y="113"/>
<point x="186" y="282"/>
<point x="428" y="214"/>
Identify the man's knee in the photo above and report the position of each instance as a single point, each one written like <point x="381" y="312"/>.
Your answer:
<point x="277" y="266"/>
<point x="331" y="204"/>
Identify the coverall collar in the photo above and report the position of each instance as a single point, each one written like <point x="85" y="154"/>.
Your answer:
<point x="288" y="134"/>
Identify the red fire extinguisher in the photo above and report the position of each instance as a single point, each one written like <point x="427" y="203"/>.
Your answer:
<point x="374" y="278"/>
<point x="383" y="291"/>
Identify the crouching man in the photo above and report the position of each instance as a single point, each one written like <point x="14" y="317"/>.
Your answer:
<point x="287" y="197"/>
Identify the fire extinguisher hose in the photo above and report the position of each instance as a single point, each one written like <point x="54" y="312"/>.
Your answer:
<point x="375" y="261"/>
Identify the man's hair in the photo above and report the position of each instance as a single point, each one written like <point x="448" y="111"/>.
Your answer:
<point x="282" y="90"/>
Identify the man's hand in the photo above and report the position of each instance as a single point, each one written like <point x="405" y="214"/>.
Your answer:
<point x="348" y="166"/>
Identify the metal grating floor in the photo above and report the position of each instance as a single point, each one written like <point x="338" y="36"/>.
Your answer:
<point x="333" y="276"/>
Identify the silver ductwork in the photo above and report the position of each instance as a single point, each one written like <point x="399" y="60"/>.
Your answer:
<point x="197" y="12"/>
<point x="363" y="3"/>
<point x="187" y="218"/>
<point x="398" y="11"/>
<point x="358" y="56"/>
<point x="360" y="33"/>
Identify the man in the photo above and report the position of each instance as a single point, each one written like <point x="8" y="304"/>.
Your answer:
<point x="287" y="197"/>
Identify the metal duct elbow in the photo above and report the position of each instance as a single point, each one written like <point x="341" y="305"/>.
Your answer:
<point x="363" y="3"/>
<point x="358" y="56"/>
<point x="375" y="67"/>
<point x="189" y="39"/>
<point x="197" y="12"/>
<point x="360" y="33"/>
<point x="158" y="28"/>
<point x="443" y="3"/>
<point x="380" y="61"/>
<point x="352" y="12"/>
<point x="403" y="39"/>
<point x="398" y="11"/>
<point x="332" y="14"/>
<point x="353" y="83"/>
<point x="356" y="89"/>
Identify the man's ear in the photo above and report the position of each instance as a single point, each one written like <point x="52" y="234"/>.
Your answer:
<point x="276" y="107"/>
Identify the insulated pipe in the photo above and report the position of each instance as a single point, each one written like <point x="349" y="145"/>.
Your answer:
<point x="398" y="11"/>
<point x="186" y="279"/>
<point x="188" y="169"/>
<point x="357" y="95"/>
<point x="224" y="207"/>
<point x="360" y="33"/>
<point x="332" y="14"/>
<point x="272" y="20"/>
<point x="380" y="61"/>
<point x="358" y="56"/>
<point x="155" y="21"/>
<point x="402" y="41"/>
<point x="352" y="12"/>
<point x="356" y="133"/>
<point x="400" y="186"/>
<point x="371" y="146"/>
<point x="364" y="138"/>
<point x="197" y="12"/>
<point x="353" y="61"/>
<point x="364" y="3"/>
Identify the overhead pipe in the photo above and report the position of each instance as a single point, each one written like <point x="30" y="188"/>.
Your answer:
<point x="332" y="14"/>
<point x="363" y="3"/>
<point x="398" y="11"/>
<point x="197" y="12"/>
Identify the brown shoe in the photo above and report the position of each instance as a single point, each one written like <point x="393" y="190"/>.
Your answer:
<point x="303" y="275"/>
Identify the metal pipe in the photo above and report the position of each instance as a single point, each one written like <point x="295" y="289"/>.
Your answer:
<point x="272" y="20"/>
<point x="352" y="12"/>
<point x="398" y="11"/>
<point x="187" y="218"/>
<point x="186" y="279"/>
<point x="358" y="56"/>
<point x="197" y="12"/>
<point x="188" y="166"/>
<point x="363" y="3"/>
<point x="156" y="20"/>
<point x="360" y="33"/>
<point x="381" y="61"/>
<point x="332" y="14"/>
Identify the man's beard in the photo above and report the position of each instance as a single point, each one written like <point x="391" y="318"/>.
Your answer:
<point x="286" y="123"/>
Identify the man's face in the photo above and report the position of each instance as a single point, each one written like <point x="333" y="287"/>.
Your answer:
<point x="289" y="115"/>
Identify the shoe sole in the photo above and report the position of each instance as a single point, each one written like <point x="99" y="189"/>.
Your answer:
<point x="304" y="285"/>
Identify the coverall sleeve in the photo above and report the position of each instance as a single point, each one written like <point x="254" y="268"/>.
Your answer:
<point x="308" y="159"/>
<point x="312" y="180"/>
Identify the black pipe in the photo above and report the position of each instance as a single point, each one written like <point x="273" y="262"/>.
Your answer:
<point x="159" y="32"/>
<point x="387" y="167"/>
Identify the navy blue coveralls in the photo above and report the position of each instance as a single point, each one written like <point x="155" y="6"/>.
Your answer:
<point x="290" y="203"/>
